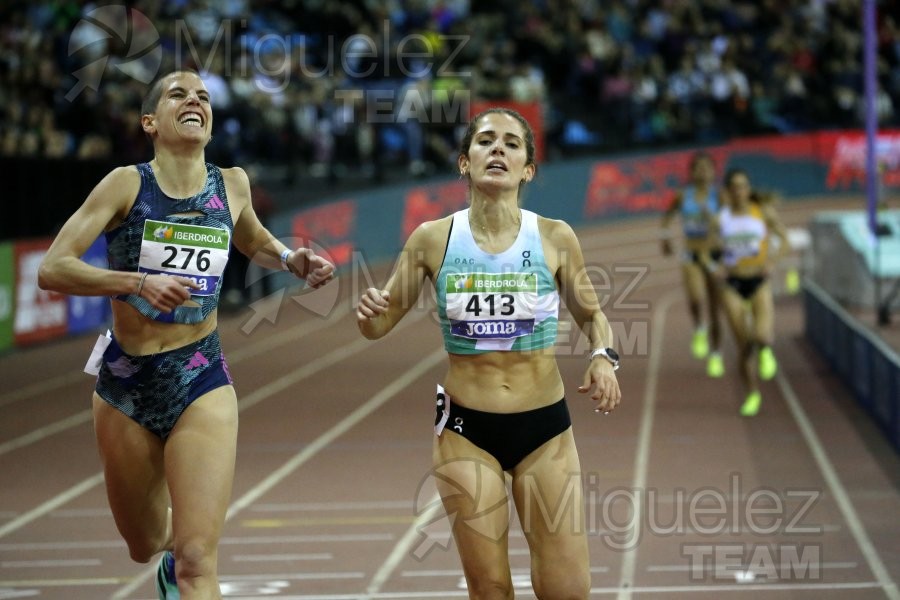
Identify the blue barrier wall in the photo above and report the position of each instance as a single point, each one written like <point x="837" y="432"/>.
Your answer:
<point x="864" y="362"/>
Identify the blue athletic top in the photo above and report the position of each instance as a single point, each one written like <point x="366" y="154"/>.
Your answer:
<point x="694" y="216"/>
<point x="489" y="302"/>
<point x="160" y="236"/>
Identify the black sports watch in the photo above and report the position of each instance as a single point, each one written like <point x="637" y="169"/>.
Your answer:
<point x="609" y="354"/>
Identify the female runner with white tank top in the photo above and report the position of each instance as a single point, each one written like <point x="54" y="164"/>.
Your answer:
<point x="499" y="272"/>
<point x="746" y="226"/>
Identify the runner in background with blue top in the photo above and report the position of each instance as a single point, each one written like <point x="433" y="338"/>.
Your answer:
<point x="697" y="205"/>
<point x="499" y="272"/>
<point x="165" y="410"/>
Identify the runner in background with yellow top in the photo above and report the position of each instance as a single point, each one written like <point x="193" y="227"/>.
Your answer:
<point x="745" y="229"/>
<point x="697" y="205"/>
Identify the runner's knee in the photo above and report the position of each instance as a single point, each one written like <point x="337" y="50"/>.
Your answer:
<point x="486" y="587"/>
<point x="561" y="588"/>
<point x="565" y="576"/>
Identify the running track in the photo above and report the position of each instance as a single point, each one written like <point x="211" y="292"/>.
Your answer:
<point x="332" y="495"/>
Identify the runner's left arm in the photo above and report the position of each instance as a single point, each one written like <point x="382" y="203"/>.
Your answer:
<point x="255" y="241"/>
<point x="581" y="300"/>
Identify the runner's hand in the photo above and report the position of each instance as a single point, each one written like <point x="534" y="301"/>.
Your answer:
<point x="374" y="302"/>
<point x="600" y="381"/>
<point x="166" y="292"/>
<point x="321" y="271"/>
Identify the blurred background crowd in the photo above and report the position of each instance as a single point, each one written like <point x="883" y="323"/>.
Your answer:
<point x="325" y="88"/>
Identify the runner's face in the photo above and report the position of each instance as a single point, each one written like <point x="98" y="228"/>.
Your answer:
<point x="183" y="112"/>
<point x="703" y="171"/>
<point x="497" y="154"/>
<point x="739" y="188"/>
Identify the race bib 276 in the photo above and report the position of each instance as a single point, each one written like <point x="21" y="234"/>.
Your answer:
<point x="197" y="252"/>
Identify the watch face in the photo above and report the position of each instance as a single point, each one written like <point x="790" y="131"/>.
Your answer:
<point x="612" y="354"/>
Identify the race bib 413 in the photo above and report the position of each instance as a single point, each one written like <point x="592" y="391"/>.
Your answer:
<point x="491" y="305"/>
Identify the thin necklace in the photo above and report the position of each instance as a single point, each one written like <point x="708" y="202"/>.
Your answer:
<point x="484" y="228"/>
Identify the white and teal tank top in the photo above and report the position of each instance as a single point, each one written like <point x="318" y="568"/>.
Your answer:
<point x="496" y="302"/>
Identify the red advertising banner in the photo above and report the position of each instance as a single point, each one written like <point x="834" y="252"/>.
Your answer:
<point x="648" y="183"/>
<point x="530" y="110"/>
<point x="331" y="226"/>
<point x="845" y="153"/>
<point x="39" y="315"/>
<point x="640" y="184"/>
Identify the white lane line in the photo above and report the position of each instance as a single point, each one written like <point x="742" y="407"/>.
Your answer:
<point x="382" y="596"/>
<point x="349" y="538"/>
<point x="46" y="431"/>
<point x="841" y="497"/>
<point x="459" y="572"/>
<point x="739" y="587"/>
<point x="267" y="577"/>
<point x="64" y="583"/>
<point x="642" y="457"/>
<point x="307" y="539"/>
<point x="608" y="591"/>
<point x="784" y="567"/>
<point x="41" y="564"/>
<point x="81" y="513"/>
<point x="29" y="546"/>
<point x="40" y="387"/>
<point x="52" y="504"/>
<point x="325" y="506"/>
<point x="345" y="424"/>
<point x="403" y="546"/>
<point x="281" y="557"/>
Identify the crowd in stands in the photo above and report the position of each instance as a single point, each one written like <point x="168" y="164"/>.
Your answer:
<point x="327" y="86"/>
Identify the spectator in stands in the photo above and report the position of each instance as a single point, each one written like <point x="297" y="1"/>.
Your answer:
<point x="782" y="70"/>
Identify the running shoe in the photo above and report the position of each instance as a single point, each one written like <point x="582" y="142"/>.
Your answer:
<point x="166" y="586"/>
<point x="792" y="281"/>
<point x="768" y="366"/>
<point x="751" y="404"/>
<point x="715" y="366"/>
<point x="699" y="344"/>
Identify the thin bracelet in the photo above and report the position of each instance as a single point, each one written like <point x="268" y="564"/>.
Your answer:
<point x="141" y="284"/>
<point x="285" y="254"/>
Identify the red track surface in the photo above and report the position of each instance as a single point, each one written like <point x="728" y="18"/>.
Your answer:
<point x="335" y="443"/>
